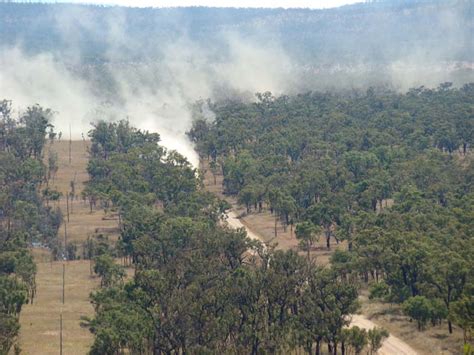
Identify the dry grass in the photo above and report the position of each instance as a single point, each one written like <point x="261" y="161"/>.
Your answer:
<point x="433" y="340"/>
<point x="82" y="222"/>
<point x="40" y="321"/>
<point x="77" y="168"/>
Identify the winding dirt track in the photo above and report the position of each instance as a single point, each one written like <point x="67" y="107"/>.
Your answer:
<point x="391" y="346"/>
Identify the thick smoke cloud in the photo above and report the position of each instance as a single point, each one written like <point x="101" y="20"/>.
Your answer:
<point x="27" y="80"/>
<point x="153" y="81"/>
<point x="154" y="95"/>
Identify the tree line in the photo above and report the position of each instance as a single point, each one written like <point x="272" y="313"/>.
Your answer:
<point x="389" y="173"/>
<point x="24" y="217"/>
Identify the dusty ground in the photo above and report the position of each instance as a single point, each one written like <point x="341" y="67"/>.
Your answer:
<point x="404" y="339"/>
<point x="40" y="321"/>
<point x="391" y="346"/>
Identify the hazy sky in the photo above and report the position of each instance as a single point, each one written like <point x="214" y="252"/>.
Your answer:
<point x="315" y="4"/>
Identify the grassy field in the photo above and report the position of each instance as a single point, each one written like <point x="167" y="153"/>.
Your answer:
<point x="434" y="340"/>
<point x="40" y="321"/>
<point x="82" y="222"/>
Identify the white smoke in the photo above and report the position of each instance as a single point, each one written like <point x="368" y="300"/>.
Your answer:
<point x="154" y="95"/>
<point x="29" y="80"/>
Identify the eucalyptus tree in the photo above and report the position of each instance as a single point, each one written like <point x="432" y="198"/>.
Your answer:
<point x="24" y="219"/>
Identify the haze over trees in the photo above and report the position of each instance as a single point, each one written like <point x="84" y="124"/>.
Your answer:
<point x="392" y="42"/>
<point x="312" y="36"/>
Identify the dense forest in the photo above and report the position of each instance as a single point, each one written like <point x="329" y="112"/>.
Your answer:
<point x="25" y="218"/>
<point x="198" y="286"/>
<point x="389" y="174"/>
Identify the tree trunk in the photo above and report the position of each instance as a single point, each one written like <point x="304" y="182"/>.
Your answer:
<point x="276" y="220"/>
<point x="450" y="327"/>
<point x="318" y="348"/>
<point x="255" y="347"/>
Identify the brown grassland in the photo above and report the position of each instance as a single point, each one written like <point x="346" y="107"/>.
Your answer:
<point x="40" y="321"/>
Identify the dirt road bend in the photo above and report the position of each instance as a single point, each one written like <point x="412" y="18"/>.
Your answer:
<point x="234" y="221"/>
<point x="391" y="346"/>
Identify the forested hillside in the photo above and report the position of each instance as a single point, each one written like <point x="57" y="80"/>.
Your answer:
<point x="390" y="174"/>
<point x="369" y="34"/>
<point x="25" y="217"/>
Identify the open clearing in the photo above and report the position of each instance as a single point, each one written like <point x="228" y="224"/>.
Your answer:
<point x="433" y="340"/>
<point x="40" y="322"/>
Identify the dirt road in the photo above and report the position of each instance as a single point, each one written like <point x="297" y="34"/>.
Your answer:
<point x="234" y="221"/>
<point x="391" y="346"/>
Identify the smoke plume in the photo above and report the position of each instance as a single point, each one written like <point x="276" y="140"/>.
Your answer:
<point x="152" y="80"/>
